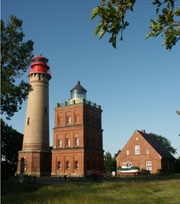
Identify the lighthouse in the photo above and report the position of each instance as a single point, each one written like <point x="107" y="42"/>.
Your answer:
<point x="35" y="157"/>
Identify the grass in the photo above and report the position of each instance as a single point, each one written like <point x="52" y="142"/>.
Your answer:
<point x="139" y="192"/>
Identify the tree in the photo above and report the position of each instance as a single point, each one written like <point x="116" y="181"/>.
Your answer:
<point x="11" y="143"/>
<point x="15" y="57"/>
<point x="117" y="153"/>
<point x="177" y="165"/>
<point x="178" y="112"/>
<point x="113" y="14"/>
<point x="109" y="162"/>
<point x="166" y="143"/>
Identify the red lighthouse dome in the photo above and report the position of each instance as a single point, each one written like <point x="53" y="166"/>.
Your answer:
<point x="39" y="64"/>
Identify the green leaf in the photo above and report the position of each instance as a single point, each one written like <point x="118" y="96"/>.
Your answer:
<point x="101" y="34"/>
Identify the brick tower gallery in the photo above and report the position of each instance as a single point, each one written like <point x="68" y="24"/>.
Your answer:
<point x="77" y="137"/>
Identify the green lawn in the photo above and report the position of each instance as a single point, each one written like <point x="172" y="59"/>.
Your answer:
<point x="140" y="192"/>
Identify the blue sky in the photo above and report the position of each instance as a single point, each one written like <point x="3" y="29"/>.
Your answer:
<point x="136" y="84"/>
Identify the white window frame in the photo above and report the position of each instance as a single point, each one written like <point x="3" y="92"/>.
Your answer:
<point x="67" y="164"/>
<point x="77" y="141"/>
<point x="149" y="165"/>
<point x="68" y="142"/>
<point x="147" y="151"/>
<point x="137" y="150"/>
<point x="59" y="165"/>
<point x="76" y="164"/>
<point x="127" y="152"/>
<point x="60" y="143"/>
<point x="68" y="119"/>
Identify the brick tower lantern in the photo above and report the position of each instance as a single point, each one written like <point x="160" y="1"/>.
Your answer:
<point x="77" y="141"/>
<point x="35" y="154"/>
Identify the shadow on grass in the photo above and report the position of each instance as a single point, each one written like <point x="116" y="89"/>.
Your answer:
<point x="8" y="187"/>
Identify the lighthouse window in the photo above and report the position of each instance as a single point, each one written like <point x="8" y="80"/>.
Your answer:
<point x="39" y="77"/>
<point x="28" y="121"/>
<point x="45" y="110"/>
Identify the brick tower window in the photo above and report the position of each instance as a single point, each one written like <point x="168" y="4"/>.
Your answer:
<point x="67" y="165"/>
<point x="59" y="165"/>
<point x="60" y="143"/>
<point x="69" y="120"/>
<point x="68" y="142"/>
<point x="76" y="164"/>
<point x="77" y="141"/>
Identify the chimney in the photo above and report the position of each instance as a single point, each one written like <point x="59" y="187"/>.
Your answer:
<point x="143" y="131"/>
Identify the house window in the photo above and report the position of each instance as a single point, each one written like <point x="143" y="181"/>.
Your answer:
<point x="147" y="151"/>
<point x="28" y="121"/>
<point x="76" y="165"/>
<point x="137" y="138"/>
<point x="149" y="165"/>
<point x="77" y="141"/>
<point x="127" y="152"/>
<point x="68" y="142"/>
<point x="59" y="165"/>
<point x="67" y="165"/>
<point x="137" y="149"/>
<point x="60" y="143"/>
<point x="69" y="120"/>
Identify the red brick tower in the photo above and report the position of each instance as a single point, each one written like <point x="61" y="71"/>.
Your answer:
<point x="77" y="144"/>
<point x="35" y="153"/>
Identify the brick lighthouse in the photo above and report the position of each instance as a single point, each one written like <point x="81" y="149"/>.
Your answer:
<point x="35" y="157"/>
<point x="77" y="141"/>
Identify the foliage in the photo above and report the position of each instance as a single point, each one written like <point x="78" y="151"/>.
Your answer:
<point x="11" y="143"/>
<point x="166" y="143"/>
<point x="115" y="155"/>
<point x="113" y="14"/>
<point x="178" y="112"/>
<point x="109" y="162"/>
<point x="159" y="191"/>
<point x="15" y="57"/>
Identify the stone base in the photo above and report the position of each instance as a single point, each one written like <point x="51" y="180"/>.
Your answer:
<point x="36" y="162"/>
<point x="77" y="175"/>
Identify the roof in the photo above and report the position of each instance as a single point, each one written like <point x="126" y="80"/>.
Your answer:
<point x="78" y="87"/>
<point x="157" y="145"/>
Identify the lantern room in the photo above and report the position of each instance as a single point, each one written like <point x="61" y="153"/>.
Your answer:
<point x="39" y="64"/>
<point x="78" y="92"/>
